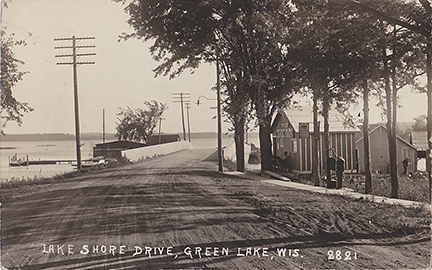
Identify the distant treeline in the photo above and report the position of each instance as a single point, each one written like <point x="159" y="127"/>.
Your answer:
<point x="89" y="136"/>
<point x="54" y="137"/>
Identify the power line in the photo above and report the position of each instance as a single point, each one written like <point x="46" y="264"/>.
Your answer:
<point x="75" y="63"/>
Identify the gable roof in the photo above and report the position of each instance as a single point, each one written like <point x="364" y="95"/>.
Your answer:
<point x="419" y="140"/>
<point x="383" y="127"/>
<point x="305" y="115"/>
<point x="121" y="144"/>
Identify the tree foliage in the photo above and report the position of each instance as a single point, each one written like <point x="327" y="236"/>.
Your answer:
<point x="420" y="123"/>
<point x="11" y="108"/>
<point x="271" y="49"/>
<point x="137" y="125"/>
<point x="245" y="35"/>
<point x="402" y="59"/>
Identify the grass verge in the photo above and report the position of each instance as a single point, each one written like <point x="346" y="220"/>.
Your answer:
<point x="16" y="187"/>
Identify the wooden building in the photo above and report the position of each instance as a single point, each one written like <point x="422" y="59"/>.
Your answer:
<point x="113" y="149"/>
<point x="164" y="138"/>
<point x="379" y="152"/>
<point x="418" y="139"/>
<point x="292" y="133"/>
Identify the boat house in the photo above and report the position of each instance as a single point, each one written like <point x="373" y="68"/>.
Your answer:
<point x="113" y="149"/>
<point x="164" y="138"/>
<point x="292" y="134"/>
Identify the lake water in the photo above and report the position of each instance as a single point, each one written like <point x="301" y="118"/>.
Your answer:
<point x="64" y="150"/>
<point x="40" y="150"/>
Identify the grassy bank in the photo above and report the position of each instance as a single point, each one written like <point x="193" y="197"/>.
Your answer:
<point x="412" y="187"/>
<point x="16" y="187"/>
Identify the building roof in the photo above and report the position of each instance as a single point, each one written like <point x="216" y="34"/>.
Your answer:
<point x="419" y="140"/>
<point x="305" y="115"/>
<point x="383" y="127"/>
<point x="165" y="138"/>
<point x="121" y="144"/>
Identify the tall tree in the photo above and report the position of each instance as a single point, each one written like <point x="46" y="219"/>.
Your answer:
<point x="328" y="49"/>
<point x="256" y="32"/>
<point x="186" y="32"/>
<point x="11" y="108"/>
<point x="417" y="20"/>
<point x="366" y="140"/>
<point x="402" y="61"/>
<point x="237" y="110"/>
<point x="137" y="125"/>
<point x="401" y="66"/>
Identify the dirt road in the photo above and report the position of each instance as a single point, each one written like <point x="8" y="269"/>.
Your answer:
<point x="177" y="212"/>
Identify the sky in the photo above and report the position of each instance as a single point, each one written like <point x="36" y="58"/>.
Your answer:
<point x="122" y="75"/>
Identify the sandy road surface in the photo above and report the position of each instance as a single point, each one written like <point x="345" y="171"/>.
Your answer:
<point x="177" y="212"/>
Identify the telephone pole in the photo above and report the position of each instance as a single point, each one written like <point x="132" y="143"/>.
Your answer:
<point x="103" y="133"/>
<point x="182" y="97"/>
<point x="219" y="113"/>
<point x="219" y="117"/>
<point x="160" y="128"/>
<point x="75" y="63"/>
<point x="187" y="111"/>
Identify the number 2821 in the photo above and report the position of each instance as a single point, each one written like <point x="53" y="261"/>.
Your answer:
<point x="339" y="255"/>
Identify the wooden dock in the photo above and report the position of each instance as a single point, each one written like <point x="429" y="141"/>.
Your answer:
<point x="50" y="162"/>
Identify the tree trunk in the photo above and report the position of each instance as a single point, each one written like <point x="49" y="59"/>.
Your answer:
<point x="367" y="157"/>
<point x="326" y="141"/>
<point x="389" y="114"/>
<point x="239" y="135"/>
<point x="265" y="146"/>
<point x="429" y="116"/>
<point x="393" y="143"/>
<point x="315" y="143"/>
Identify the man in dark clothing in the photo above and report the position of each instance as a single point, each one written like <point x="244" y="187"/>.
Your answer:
<point x="340" y="167"/>
<point x="405" y="165"/>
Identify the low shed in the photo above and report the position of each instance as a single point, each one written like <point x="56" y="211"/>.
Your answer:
<point x="164" y="138"/>
<point x="113" y="149"/>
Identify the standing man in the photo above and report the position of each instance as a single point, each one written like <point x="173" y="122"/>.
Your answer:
<point x="405" y="163"/>
<point x="340" y="167"/>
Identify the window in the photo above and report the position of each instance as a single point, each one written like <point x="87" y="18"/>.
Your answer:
<point x="294" y="145"/>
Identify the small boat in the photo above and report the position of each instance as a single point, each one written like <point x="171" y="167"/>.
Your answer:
<point x="93" y="162"/>
<point x="18" y="162"/>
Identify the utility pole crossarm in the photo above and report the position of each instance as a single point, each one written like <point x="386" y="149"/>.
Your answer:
<point x="72" y="38"/>
<point x="77" y="47"/>
<point x="75" y="63"/>
<point x="78" y="63"/>
<point x="78" y="54"/>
